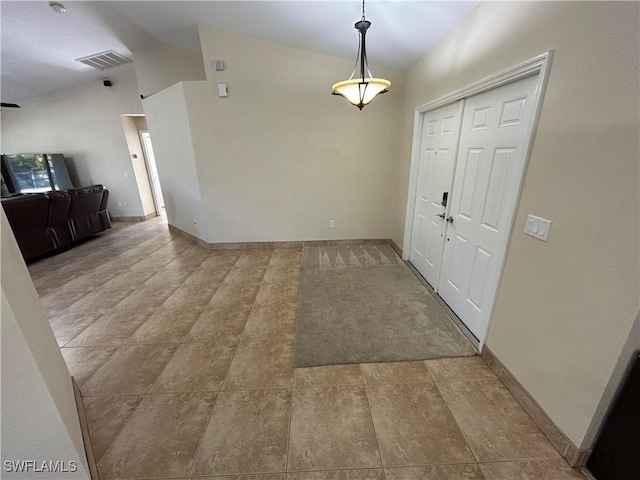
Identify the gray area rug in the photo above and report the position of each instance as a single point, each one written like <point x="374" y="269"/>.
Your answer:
<point x="362" y="305"/>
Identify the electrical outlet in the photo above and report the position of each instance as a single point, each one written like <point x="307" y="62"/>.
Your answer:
<point x="332" y="223"/>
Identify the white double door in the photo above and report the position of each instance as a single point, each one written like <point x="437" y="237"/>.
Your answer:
<point x="475" y="150"/>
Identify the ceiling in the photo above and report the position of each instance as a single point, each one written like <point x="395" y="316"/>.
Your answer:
<point x="38" y="46"/>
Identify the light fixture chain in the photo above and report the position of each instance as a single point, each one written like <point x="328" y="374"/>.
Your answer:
<point x="362" y="9"/>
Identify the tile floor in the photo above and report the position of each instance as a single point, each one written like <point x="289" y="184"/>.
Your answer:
<point x="184" y="359"/>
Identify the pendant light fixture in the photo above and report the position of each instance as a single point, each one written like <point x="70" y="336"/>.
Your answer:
<point x="360" y="90"/>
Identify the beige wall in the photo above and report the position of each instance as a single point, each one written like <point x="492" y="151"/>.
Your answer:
<point x="168" y="122"/>
<point x="130" y="125"/>
<point x="564" y="307"/>
<point x="84" y="124"/>
<point x="160" y="67"/>
<point x="281" y="157"/>
<point x="39" y="416"/>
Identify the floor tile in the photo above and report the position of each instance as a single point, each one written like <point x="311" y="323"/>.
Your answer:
<point x="191" y="296"/>
<point x="83" y="362"/>
<point x="254" y="259"/>
<point x="196" y="367"/>
<point x="224" y="318"/>
<point x="106" y="416"/>
<point x="493" y="422"/>
<point x="274" y="476"/>
<point x="110" y="329"/>
<point x="247" y="433"/>
<point x="205" y="281"/>
<point x="363" y="474"/>
<point x="92" y="279"/>
<point x="129" y="279"/>
<point x="179" y="320"/>
<point x="331" y="428"/>
<point x="167" y="279"/>
<point x="219" y="324"/>
<point x="282" y="267"/>
<point x="177" y="422"/>
<point x="440" y="472"/>
<point x="55" y="303"/>
<point x="271" y="322"/>
<point x="166" y="325"/>
<point x="327" y="375"/>
<point x="286" y="257"/>
<point x="98" y="301"/>
<point x="552" y="469"/>
<point x="397" y="372"/>
<point x="66" y="327"/>
<point x="459" y="369"/>
<point x="143" y="300"/>
<point x="245" y="274"/>
<point x="261" y="364"/>
<point x="219" y="262"/>
<point x="285" y="290"/>
<point x="414" y="426"/>
<point x="130" y="370"/>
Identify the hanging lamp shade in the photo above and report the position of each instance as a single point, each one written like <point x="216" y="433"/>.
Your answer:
<point x="361" y="89"/>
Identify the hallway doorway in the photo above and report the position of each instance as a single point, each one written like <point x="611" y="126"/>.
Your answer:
<point x="154" y="180"/>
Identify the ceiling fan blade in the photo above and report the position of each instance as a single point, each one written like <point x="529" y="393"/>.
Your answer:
<point x="9" y="105"/>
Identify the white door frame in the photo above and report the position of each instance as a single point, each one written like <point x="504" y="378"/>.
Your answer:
<point x="147" y="161"/>
<point x="538" y="65"/>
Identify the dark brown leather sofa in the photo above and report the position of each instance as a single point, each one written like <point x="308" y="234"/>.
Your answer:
<point x="54" y="221"/>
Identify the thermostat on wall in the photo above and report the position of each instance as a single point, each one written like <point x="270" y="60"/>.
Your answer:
<point x="223" y="91"/>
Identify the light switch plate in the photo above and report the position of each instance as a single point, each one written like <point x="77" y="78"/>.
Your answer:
<point x="222" y="90"/>
<point x="537" y="227"/>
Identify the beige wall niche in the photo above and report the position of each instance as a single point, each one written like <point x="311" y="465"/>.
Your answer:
<point x="280" y="157"/>
<point x="130" y="125"/>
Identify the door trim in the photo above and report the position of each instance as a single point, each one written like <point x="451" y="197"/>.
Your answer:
<point x="537" y="65"/>
<point x="155" y="194"/>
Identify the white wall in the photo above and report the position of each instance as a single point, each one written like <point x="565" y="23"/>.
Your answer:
<point x="84" y="124"/>
<point x="160" y="67"/>
<point x="565" y="307"/>
<point x="168" y="122"/>
<point x="39" y="416"/>
<point x="281" y="157"/>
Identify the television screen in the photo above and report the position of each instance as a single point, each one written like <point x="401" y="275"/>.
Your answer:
<point x="35" y="172"/>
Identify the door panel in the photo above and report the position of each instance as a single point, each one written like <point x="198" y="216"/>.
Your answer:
<point x="435" y="175"/>
<point x="491" y="160"/>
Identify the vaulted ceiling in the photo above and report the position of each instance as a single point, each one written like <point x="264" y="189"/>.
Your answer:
<point x="39" y="47"/>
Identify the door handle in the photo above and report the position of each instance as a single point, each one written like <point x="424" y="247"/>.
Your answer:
<point x="441" y="215"/>
<point x="450" y="220"/>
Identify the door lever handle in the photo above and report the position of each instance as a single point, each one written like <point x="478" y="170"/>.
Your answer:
<point x="441" y="215"/>
<point x="450" y="219"/>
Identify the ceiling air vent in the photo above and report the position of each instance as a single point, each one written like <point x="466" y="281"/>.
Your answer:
<point x="104" y="60"/>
